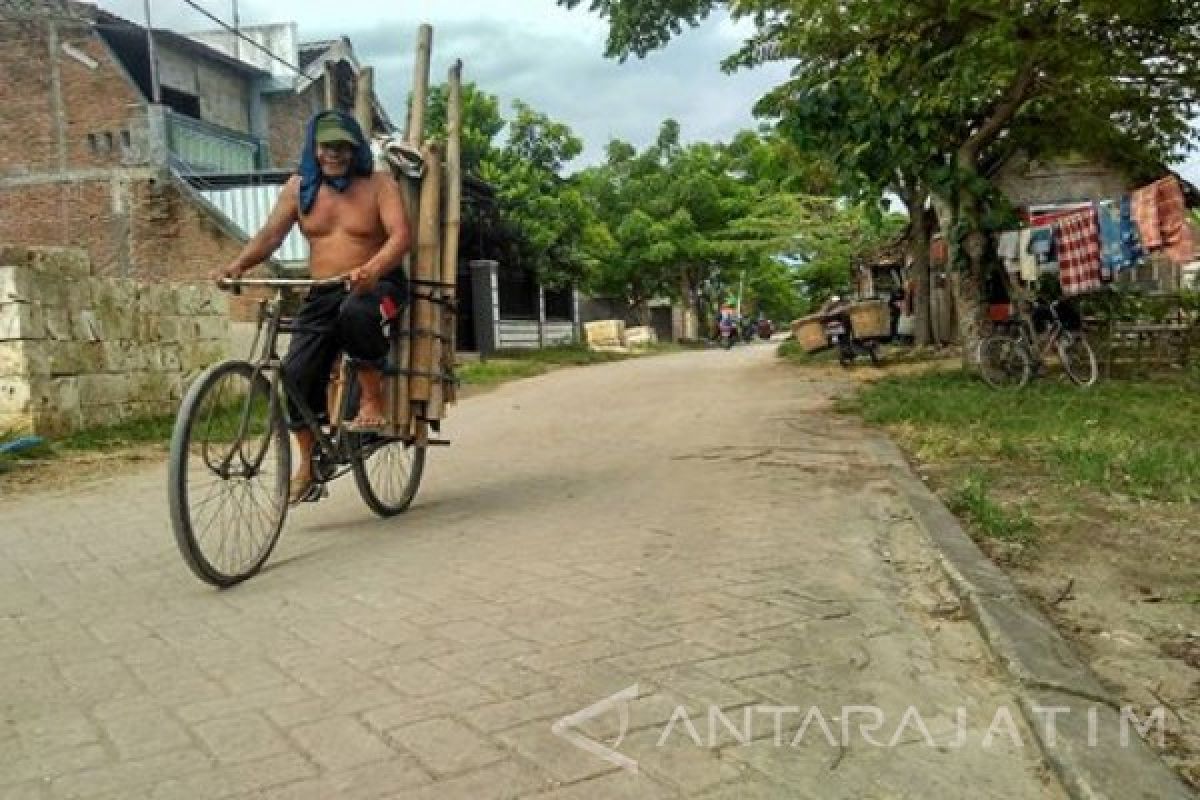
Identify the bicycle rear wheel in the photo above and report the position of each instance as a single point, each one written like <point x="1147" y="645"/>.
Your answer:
<point x="1004" y="362"/>
<point x="388" y="473"/>
<point x="1078" y="360"/>
<point x="228" y="475"/>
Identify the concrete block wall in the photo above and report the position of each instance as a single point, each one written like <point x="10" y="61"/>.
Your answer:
<point x="80" y="351"/>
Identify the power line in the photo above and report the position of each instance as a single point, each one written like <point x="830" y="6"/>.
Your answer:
<point x="245" y="38"/>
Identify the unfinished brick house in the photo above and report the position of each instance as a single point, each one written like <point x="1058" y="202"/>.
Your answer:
<point x="93" y="162"/>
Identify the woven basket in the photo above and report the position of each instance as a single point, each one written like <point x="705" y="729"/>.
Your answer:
<point x="870" y="319"/>
<point x="810" y="333"/>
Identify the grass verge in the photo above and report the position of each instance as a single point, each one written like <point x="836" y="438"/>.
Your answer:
<point x="1137" y="439"/>
<point x="509" y="365"/>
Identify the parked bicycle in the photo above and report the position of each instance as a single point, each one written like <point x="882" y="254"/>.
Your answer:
<point x="1009" y="358"/>
<point x="230" y="459"/>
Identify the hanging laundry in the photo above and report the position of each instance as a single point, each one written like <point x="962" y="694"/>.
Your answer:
<point x="1144" y="209"/>
<point x="1131" y="240"/>
<point x="1112" y="248"/>
<point x="1013" y="249"/>
<point x="1027" y="264"/>
<point x="1041" y="247"/>
<point x="1173" y="220"/>
<point x="1160" y="214"/>
<point x="1078" y="241"/>
<point x="1008" y="248"/>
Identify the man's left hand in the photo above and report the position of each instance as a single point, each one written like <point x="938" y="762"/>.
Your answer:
<point x="362" y="280"/>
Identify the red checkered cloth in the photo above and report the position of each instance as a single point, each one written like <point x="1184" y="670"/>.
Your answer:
<point x="1144" y="210"/>
<point x="1078" y="242"/>
<point x="1173" y="221"/>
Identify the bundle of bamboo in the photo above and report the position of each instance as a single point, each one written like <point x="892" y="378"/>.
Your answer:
<point x="423" y="351"/>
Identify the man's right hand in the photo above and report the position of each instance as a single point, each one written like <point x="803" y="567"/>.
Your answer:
<point x="230" y="272"/>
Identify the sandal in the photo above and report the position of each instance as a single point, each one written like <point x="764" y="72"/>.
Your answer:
<point x="361" y="424"/>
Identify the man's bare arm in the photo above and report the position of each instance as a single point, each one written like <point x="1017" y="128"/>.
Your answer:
<point x="285" y="214"/>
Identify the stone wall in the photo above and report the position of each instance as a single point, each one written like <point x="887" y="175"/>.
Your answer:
<point x="80" y="351"/>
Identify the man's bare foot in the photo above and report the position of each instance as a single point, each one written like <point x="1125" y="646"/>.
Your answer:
<point x="369" y="420"/>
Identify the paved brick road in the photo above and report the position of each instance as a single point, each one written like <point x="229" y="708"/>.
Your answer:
<point x="694" y="525"/>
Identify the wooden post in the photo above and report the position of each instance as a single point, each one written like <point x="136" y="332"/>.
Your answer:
<point x="364" y="110"/>
<point x="453" y="223"/>
<point x="330" y="86"/>
<point x="427" y="269"/>
<point x="415" y="132"/>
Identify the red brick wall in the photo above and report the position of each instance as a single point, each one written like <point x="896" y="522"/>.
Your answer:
<point x="173" y="238"/>
<point x="287" y="118"/>
<point x="79" y="213"/>
<point x="26" y="100"/>
<point x="98" y="101"/>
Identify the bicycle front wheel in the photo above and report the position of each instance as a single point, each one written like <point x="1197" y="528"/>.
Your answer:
<point x="1004" y="362"/>
<point x="228" y="475"/>
<point x="1077" y="358"/>
<point x="388" y="473"/>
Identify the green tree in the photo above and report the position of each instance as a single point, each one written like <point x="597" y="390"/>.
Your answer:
<point x="541" y="217"/>
<point x="481" y="123"/>
<point x="701" y="222"/>
<point x="942" y="92"/>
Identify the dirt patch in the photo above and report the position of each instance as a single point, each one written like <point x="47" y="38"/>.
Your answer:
<point x="1119" y="578"/>
<point x="76" y="469"/>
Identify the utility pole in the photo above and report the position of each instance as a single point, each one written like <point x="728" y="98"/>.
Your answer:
<point x="741" y="285"/>
<point x="237" y="36"/>
<point x="155" y="90"/>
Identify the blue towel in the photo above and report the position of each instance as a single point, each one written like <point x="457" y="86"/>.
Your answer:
<point x="1112" y="250"/>
<point x="311" y="178"/>
<point x="1131" y="240"/>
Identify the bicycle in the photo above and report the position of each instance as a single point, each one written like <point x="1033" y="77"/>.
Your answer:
<point x="1008" y="359"/>
<point x="230" y="456"/>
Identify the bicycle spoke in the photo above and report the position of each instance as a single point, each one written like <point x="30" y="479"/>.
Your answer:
<point x="232" y="451"/>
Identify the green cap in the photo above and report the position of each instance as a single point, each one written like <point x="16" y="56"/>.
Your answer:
<point x="330" y="130"/>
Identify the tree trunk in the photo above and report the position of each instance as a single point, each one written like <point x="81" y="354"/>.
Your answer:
<point x="966" y="258"/>
<point x="919" y="237"/>
<point x="688" y="323"/>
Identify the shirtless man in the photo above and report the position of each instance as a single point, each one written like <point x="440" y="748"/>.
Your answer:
<point x="356" y="226"/>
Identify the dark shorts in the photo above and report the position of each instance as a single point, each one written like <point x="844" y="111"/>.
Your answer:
<point x="333" y="321"/>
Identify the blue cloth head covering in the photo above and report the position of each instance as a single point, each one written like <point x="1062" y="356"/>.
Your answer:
<point x="311" y="177"/>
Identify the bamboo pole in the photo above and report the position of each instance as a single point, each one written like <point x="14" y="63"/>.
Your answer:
<point x="364" y="92"/>
<point x="453" y="222"/>
<point x="427" y="269"/>
<point x="415" y="132"/>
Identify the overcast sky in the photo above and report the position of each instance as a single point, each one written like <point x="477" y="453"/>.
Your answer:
<point x="532" y="50"/>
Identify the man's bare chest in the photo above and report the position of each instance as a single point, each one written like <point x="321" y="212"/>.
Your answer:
<point x="354" y="212"/>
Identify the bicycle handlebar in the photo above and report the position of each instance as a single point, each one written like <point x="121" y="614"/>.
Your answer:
<point x="236" y="284"/>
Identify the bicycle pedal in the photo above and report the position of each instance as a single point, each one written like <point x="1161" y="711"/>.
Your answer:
<point x="315" y="492"/>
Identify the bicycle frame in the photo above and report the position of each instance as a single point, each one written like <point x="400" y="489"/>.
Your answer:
<point x="266" y="362"/>
<point x="1039" y="345"/>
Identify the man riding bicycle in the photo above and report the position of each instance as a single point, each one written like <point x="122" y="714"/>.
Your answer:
<point x="357" y="228"/>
